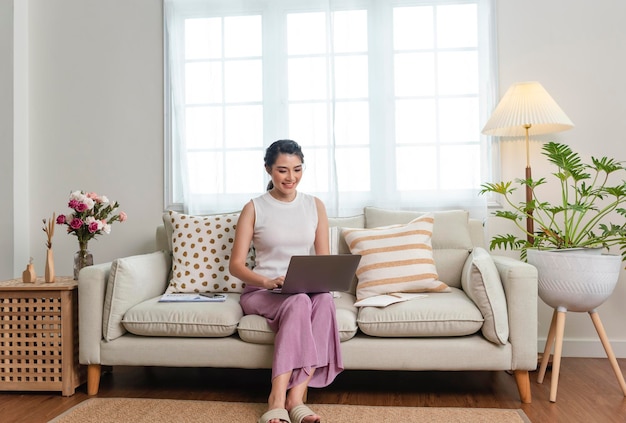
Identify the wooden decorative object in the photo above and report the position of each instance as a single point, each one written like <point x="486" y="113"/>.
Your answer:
<point x="48" y="228"/>
<point x="29" y="275"/>
<point x="49" y="266"/>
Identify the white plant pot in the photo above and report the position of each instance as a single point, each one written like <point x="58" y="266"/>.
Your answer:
<point x="575" y="280"/>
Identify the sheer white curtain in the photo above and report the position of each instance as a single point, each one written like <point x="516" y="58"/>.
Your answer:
<point x="386" y="99"/>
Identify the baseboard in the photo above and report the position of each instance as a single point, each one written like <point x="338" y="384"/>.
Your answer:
<point x="590" y="348"/>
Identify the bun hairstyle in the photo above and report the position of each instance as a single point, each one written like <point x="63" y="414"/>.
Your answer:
<point x="280" y="147"/>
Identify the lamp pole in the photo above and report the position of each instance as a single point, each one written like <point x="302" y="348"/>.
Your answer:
<point x="529" y="192"/>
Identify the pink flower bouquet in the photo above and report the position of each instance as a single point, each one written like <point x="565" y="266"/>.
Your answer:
<point x="92" y="215"/>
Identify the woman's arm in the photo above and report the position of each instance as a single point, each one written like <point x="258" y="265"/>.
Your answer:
<point x="321" y="233"/>
<point x="239" y="253"/>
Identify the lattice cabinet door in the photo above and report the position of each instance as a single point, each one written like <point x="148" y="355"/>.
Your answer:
<point x="39" y="336"/>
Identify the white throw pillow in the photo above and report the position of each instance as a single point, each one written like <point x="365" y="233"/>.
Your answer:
<point x="481" y="282"/>
<point x="396" y="258"/>
<point x="131" y="281"/>
<point x="201" y="248"/>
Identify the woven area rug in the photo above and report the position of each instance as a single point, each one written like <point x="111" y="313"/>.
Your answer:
<point x="139" y="410"/>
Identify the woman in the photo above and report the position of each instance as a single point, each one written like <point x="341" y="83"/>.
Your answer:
<point x="284" y="222"/>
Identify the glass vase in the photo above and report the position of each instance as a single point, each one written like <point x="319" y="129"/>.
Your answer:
<point x="82" y="258"/>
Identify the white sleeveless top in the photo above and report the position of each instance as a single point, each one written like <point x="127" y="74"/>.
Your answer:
<point x="282" y="230"/>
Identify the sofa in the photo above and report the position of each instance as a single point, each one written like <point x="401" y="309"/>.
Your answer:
<point x="484" y="320"/>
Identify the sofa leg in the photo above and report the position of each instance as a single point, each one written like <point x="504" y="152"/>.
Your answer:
<point x="93" y="378"/>
<point x="522" y="378"/>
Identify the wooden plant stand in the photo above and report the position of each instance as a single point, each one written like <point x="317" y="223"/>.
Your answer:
<point x="555" y="336"/>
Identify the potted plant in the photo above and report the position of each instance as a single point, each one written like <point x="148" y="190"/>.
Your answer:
<point x="579" y="221"/>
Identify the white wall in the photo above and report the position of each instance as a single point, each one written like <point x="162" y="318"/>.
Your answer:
<point x="575" y="48"/>
<point x="96" y="115"/>
<point x="96" y="119"/>
<point x="6" y="138"/>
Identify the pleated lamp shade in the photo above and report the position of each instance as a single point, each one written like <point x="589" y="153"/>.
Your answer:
<point x="526" y="105"/>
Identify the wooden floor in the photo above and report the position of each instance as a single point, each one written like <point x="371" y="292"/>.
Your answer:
<point x="588" y="391"/>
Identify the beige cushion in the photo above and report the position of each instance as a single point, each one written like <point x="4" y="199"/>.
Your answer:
<point x="438" y="314"/>
<point x="481" y="282"/>
<point x="451" y="240"/>
<point x="397" y="258"/>
<point x="255" y="329"/>
<point x="212" y="320"/>
<point x="131" y="281"/>
<point x="337" y="242"/>
<point x="201" y="248"/>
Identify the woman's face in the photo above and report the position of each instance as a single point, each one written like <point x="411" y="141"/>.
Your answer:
<point x="286" y="174"/>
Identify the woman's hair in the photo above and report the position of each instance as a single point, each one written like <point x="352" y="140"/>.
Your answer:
<point x="280" y="147"/>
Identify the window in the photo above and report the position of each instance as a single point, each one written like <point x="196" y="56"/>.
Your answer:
<point x="386" y="99"/>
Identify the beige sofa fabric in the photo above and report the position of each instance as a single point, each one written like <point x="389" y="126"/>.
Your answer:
<point x="131" y="281"/>
<point x="437" y="314"/>
<point x="203" y="319"/>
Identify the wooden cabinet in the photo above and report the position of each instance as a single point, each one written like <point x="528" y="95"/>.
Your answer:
<point x="39" y="336"/>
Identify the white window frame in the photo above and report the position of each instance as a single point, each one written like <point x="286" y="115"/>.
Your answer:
<point x="487" y="51"/>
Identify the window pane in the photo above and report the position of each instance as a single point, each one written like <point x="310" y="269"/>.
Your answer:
<point x="244" y="171"/>
<point x="458" y="120"/>
<point x="458" y="169"/>
<point x="203" y="83"/>
<point x="204" y="127"/>
<point x="416" y="121"/>
<point x="352" y="126"/>
<point x="350" y="31"/>
<point x="414" y="74"/>
<point x="413" y="28"/>
<point x="353" y="170"/>
<point x="351" y="77"/>
<point x="307" y="79"/>
<point x="244" y="126"/>
<point x="308" y="123"/>
<point x="242" y="36"/>
<point x="416" y="168"/>
<point x="457" y="26"/>
<point x="306" y="33"/>
<point x="243" y="81"/>
<point x="458" y="73"/>
<point x="203" y="38"/>
<point x="205" y="172"/>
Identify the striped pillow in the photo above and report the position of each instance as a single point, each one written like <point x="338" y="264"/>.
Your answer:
<point x="396" y="258"/>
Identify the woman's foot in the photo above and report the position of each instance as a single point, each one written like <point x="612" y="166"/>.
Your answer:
<point x="277" y="412"/>
<point x="303" y="414"/>
<point x="275" y="415"/>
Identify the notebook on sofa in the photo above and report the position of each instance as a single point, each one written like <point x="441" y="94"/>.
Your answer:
<point x="324" y="273"/>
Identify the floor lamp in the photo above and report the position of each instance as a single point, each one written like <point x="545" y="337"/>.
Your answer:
<point x="527" y="109"/>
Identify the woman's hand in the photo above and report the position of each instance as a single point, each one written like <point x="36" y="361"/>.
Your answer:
<point x="274" y="283"/>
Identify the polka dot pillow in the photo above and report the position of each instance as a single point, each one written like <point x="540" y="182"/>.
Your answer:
<point x="201" y="247"/>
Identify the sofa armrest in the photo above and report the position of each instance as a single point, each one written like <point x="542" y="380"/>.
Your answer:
<point x="92" y="283"/>
<point x="519" y="280"/>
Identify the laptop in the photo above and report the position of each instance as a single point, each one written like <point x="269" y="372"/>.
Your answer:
<point x="324" y="273"/>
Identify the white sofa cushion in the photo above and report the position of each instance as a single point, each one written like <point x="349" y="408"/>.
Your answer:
<point x="451" y="240"/>
<point x="337" y="242"/>
<point x="397" y="258"/>
<point x="201" y="247"/>
<point x="202" y="319"/>
<point x="481" y="281"/>
<point x="131" y="281"/>
<point x="438" y="314"/>
<point x="255" y="329"/>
